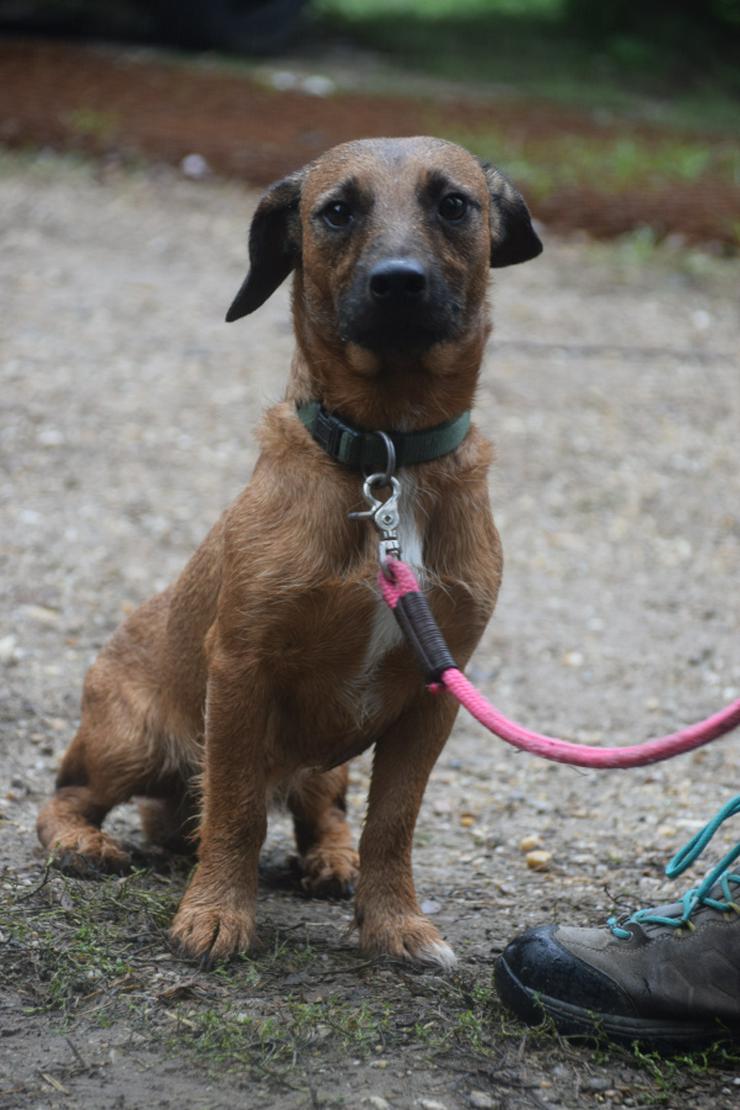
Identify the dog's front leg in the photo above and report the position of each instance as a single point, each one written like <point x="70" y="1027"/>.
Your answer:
<point x="216" y="917"/>
<point x="387" y="913"/>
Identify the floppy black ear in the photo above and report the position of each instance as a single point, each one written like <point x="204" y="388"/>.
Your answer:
<point x="513" y="239"/>
<point x="274" y="245"/>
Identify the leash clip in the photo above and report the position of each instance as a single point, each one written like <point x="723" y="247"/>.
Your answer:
<point x="384" y="515"/>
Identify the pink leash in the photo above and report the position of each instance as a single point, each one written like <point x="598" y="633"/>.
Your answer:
<point x="403" y="594"/>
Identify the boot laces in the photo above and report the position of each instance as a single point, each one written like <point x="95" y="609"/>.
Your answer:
<point x="720" y="877"/>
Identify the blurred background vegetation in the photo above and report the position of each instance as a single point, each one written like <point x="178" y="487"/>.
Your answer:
<point x="614" y="116"/>
<point x="675" y="60"/>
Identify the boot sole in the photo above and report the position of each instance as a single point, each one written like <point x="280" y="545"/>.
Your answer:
<point x="660" y="1034"/>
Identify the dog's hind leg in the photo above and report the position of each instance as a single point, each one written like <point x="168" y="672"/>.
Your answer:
<point x="69" y="823"/>
<point x="112" y="757"/>
<point x="323" y="837"/>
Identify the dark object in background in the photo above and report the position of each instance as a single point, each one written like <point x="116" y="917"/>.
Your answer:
<point x="678" y="19"/>
<point x="242" y="26"/>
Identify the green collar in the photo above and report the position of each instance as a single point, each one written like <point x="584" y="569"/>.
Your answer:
<point x="364" y="450"/>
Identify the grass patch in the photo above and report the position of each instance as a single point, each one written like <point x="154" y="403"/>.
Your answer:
<point x="93" y="123"/>
<point x="95" y="956"/>
<point x="254" y="1041"/>
<point x="74" y="946"/>
<point x="668" y="1075"/>
<point x="616" y="162"/>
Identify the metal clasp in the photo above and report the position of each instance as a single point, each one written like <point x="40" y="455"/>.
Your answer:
<point x="384" y="515"/>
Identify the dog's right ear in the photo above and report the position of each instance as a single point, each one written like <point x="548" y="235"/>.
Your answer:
<point x="274" y="245"/>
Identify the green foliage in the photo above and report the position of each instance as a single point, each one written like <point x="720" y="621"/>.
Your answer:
<point x="93" y="123"/>
<point x="547" y="162"/>
<point x="661" y="68"/>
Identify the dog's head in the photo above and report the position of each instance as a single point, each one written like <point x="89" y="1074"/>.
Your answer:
<point x="391" y="241"/>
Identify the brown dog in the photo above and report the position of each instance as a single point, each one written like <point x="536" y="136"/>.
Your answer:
<point x="271" y="660"/>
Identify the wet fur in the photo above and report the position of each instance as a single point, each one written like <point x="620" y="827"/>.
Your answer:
<point x="269" y="662"/>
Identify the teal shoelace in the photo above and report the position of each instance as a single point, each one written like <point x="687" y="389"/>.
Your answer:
<point x="700" y="895"/>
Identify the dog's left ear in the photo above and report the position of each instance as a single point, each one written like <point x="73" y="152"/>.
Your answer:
<point x="513" y="239"/>
<point x="274" y="245"/>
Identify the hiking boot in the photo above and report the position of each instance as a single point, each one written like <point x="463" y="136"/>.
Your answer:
<point x="667" y="977"/>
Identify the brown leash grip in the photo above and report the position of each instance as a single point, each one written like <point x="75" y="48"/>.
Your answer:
<point x="424" y="636"/>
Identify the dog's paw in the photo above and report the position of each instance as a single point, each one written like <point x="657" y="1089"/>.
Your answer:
<point x="406" y="937"/>
<point x="330" y="872"/>
<point x="88" y="854"/>
<point x="211" y="933"/>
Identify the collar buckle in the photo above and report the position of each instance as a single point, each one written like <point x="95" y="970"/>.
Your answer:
<point x="327" y="432"/>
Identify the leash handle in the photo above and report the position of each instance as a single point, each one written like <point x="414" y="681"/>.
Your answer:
<point x="403" y="595"/>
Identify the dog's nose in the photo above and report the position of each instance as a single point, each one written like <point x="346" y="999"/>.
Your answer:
<point x="397" y="279"/>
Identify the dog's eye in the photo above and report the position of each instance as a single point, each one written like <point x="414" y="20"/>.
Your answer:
<point x="453" y="207"/>
<point x="337" y="214"/>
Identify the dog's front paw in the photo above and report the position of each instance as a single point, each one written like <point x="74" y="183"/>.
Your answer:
<point x="330" y="872"/>
<point x="407" y="936"/>
<point x="211" y="933"/>
<point x="88" y="853"/>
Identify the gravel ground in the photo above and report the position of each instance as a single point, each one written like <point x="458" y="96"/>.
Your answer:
<point x="611" y="392"/>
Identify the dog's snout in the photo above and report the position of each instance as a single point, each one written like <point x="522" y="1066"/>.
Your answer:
<point x="399" y="303"/>
<point x="397" y="279"/>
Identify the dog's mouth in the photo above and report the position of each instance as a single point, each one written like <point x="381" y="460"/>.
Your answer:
<point x="398" y="332"/>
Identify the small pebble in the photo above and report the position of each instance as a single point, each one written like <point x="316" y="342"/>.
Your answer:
<point x="481" y="1100"/>
<point x="467" y="820"/>
<point x="430" y="907"/>
<point x="378" y="1102"/>
<point x="431" y="1104"/>
<point x="538" y="860"/>
<point x="40" y="613"/>
<point x="195" y="167"/>
<point x="598" y="1083"/>
<point x="8" y="650"/>
<point x="283" y="80"/>
<point x="316" y="85"/>
<point x="529" y="843"/>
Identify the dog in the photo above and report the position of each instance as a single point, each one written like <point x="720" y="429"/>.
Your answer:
<point x="271" y="661"/>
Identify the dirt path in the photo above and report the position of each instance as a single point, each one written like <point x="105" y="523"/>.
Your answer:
<point x="613" y="399"/>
